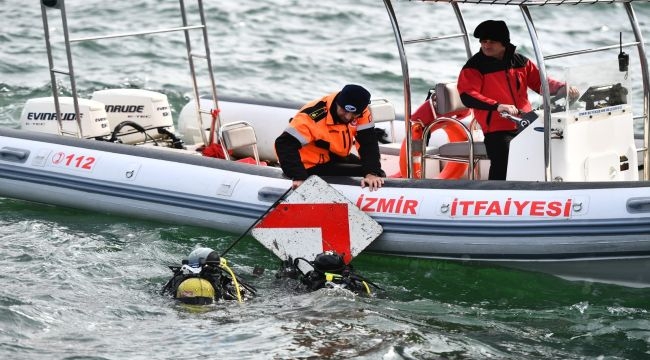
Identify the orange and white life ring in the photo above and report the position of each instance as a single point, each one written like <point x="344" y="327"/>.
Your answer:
<point x="421" y="118"/>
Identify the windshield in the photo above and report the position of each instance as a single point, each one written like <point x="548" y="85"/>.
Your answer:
<point x="599" y="86"/>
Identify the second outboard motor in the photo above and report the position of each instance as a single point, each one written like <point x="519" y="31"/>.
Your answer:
<point x="136" y="115"/>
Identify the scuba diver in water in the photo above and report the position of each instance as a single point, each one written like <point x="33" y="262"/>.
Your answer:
<point x="328" y="271"/>
<point x="203" y="278"/>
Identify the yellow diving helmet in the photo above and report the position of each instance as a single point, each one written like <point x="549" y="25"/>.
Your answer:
<point x="195" y="291"/>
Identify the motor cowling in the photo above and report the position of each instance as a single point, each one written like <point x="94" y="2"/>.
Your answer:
<point x="148" y="109"/>
<point x="39" y="114"/>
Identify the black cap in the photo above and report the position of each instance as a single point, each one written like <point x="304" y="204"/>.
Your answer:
<point x="496" y="30"/>
<point x="353" y="98"/>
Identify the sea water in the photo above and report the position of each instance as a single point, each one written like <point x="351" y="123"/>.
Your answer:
<point x="82" y="285"/>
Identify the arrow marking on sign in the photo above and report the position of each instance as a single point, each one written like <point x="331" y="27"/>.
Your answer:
<point x="331" y="219"/>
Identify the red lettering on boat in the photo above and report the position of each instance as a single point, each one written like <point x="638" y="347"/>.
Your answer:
<point x="532" y="208"/>
<point x="521" y="205"/>
<point x="387" y="205"/>
<point x="554" y="208"/>
<point x="494" y="208"/>
<point x="537" y="208"/>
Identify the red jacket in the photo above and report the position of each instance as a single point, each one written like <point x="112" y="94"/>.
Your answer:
<point x="485" y="82"/>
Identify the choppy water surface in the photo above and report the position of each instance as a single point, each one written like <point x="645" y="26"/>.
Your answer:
<point x="86" y="286"/>
<point x="79" y="285"/>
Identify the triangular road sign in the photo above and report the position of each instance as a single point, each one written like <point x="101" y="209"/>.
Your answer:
<point x="315" y="218"/>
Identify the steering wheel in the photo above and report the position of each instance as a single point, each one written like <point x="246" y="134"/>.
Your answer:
<point x="523" y="121"/>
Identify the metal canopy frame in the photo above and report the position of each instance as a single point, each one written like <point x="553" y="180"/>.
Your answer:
<point x="524" y="6"/>
<point x="535" y="2"/>
<point x="59" y="5"/>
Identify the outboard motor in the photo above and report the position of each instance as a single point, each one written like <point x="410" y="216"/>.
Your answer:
<point x="138" y="116"/>
<point x="39" y="114"/>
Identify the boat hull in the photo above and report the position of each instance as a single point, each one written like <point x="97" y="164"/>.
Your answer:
<point x="598" y="230"/>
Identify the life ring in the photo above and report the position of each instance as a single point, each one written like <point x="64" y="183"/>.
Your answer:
<point x="455" y="132"/>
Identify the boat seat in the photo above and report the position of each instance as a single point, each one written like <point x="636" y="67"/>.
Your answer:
<point x="460" y="150"/>
<point x="395" y="149"/>
<point x="445" y="100"/>
<point x="383" y="110"/>
<point x="392" y="149"/>
<point x="238" y="135"/>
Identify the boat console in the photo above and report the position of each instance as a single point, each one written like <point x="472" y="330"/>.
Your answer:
<point x="591" y="137"/>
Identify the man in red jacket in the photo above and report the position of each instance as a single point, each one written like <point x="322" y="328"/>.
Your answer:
<point x="496" y="80"/>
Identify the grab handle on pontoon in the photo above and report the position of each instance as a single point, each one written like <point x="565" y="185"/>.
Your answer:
<point x="270" y="194"/>
<point x="638" y="205"/>
<point x="13" y="154"/>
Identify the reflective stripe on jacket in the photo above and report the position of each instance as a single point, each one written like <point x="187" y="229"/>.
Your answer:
<point x="319" y="136"/>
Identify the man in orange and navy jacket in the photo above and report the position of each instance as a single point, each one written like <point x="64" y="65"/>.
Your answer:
<point x="496" y="80"/>
<point x="320" y="137"/>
